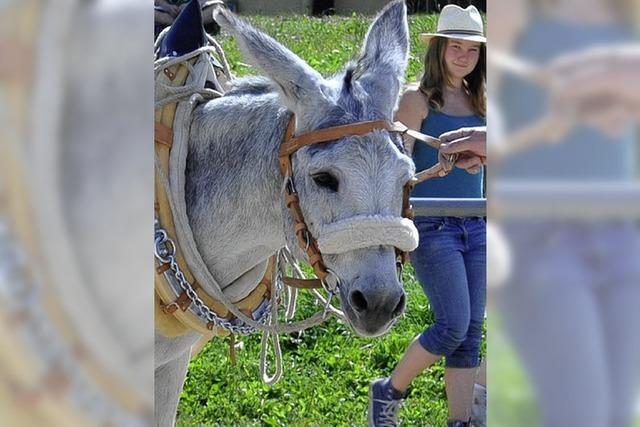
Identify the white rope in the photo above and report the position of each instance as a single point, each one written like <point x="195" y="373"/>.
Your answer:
<point x="291" y="293"/>
<point x="273" y="333"/>
<point x="223" y="58"/>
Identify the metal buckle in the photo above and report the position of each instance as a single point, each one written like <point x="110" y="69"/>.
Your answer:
<point x="307" y="238"/>
<point x="325" y="285"/>
<point x="399" y="269"/>
<point x="289" y="185"/>
<point x="331" y="292"/>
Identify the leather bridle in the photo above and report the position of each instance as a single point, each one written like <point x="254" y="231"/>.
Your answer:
<point x="292" y="143"/>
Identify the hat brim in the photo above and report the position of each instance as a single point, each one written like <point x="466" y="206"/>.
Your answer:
<point x="425" y="37"/>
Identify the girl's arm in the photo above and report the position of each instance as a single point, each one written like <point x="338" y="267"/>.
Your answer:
<point x="412" y="110"/>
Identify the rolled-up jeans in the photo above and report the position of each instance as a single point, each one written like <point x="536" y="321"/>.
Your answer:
<point x="450" y="263"/>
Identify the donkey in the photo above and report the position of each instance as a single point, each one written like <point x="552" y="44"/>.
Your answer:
<point x="234" y="187"/>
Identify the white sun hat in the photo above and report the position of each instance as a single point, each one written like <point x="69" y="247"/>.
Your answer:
<point x="458" y="23"/>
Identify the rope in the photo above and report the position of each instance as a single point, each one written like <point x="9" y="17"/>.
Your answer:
<point x="273" y="334"/>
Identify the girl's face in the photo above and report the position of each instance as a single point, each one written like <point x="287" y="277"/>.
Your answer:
<point x="461" y="57"/>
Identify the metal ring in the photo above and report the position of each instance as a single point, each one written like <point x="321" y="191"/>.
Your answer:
<point x="289" y="184"/>
<point x="307" y="237"/>
<point x="163" y="253"/>
<point x="161" y="237"/>
<point x="399" y="269"/>
<point x="325" y="285"/>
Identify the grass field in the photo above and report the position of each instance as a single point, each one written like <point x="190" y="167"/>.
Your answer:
<point x="327" y="368"/>
<point x="327" y="373"/>
<point x="326" y="43"/>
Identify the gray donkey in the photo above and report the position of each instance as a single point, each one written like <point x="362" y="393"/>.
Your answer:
<point x="234" y="187"/>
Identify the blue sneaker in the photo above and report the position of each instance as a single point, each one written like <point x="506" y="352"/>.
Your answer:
<point x="384" y="403"/>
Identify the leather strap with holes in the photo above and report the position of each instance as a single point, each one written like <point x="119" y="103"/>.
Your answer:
<point x="407" y="212"/>
<point x="292" y="144"/>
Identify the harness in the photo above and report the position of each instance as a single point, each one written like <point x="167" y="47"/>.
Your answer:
<point x="181" y="304"/>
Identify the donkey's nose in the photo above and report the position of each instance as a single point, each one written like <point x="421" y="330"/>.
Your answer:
<point x="358" y="301"/>
<point x="365" y="304"/>
<point x="399" y="307"/>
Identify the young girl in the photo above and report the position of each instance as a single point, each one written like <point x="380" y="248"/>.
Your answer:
<point x="450" y="261"/>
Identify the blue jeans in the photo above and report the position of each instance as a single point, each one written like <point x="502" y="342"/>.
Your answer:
<point x="450" y="263"/>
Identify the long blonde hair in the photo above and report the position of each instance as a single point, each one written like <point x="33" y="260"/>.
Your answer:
<point x="435" y="78"/>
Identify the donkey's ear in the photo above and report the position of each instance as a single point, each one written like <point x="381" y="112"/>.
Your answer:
<point x="383" y="61"/>
<point x="299" y="83"/>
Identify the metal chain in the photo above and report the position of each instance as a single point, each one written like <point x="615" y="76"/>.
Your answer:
<point x="165" y="252"/>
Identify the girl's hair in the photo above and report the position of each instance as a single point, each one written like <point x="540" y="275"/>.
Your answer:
<point x="435" y="78"/>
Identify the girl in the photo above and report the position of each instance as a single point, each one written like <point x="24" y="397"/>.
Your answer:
<point x="450" y="261"/>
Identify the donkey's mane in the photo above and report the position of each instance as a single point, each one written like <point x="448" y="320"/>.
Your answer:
<point x="251" y="85"/>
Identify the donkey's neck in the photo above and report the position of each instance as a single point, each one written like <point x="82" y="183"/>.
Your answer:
<point x="233" y="187"/>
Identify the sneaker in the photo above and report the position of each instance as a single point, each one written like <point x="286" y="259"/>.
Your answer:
<point x="457" y="423"/>
<point x="384" y="403"/>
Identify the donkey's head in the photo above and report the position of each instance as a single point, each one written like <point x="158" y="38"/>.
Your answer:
<point x="354" y="177"/>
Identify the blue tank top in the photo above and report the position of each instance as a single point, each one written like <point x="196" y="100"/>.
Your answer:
<point x="585" y="153"/>
<point x="458" y="183"/>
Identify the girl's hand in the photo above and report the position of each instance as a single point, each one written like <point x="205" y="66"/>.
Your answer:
<point x="473" y="140"/>
<point x="470" y="144"/>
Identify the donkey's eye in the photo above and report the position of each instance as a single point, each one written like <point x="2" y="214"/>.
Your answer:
<point x="325" y="180"/>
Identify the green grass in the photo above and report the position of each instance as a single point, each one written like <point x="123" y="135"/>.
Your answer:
<point x="326" y="43"/>
<point x="327" y="373"/>
<point x="327" y="368"/>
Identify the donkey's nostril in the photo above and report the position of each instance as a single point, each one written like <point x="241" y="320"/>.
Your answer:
<point x="399" y="307"/>
<point x="358" y="301"/>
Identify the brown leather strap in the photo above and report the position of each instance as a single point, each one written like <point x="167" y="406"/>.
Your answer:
<point x="402" y="257"/>
<point x="163" y="134"/>
<point x="407" y="209"/>
<point x="171" y="75"/>
<point x="291" y="145"/>
<point x="433" y="172"/>
<point x="440" y="169"/>
<point x="183" y="299"/>
<point x="302" y="283"/>
<point x="285" y="161"/>
<point x="163" y="267"/>
<point x="403" y="129"/>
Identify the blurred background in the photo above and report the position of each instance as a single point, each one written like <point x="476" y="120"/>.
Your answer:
<point x="76" y="102"/>
<point x="563" y="189"/>
<point x="76" y="218"/>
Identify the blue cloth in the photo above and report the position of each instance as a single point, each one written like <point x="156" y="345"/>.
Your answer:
<point x="585" y="153"/>
<point x="186" y="33"/>
<point x="458" y="183"/>
<point x="450" y="260"/>
<point x="451" y="266"/>
<point x="573" y="292"/>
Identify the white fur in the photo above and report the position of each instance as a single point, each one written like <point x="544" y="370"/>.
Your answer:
<point x="365" y="231"/>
